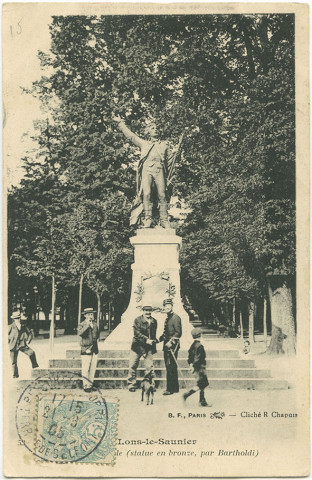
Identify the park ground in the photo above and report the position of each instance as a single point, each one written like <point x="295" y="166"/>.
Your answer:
<point x="243" y="420"/>
<point x="281" y="368"/>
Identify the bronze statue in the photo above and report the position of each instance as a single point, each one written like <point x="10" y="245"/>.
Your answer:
<point x="155" y="169"/>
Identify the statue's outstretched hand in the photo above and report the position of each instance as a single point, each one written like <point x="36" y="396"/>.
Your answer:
<point x="116" y="118"/>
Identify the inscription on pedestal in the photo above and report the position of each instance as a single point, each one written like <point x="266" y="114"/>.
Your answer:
<point x="153" y="289"/>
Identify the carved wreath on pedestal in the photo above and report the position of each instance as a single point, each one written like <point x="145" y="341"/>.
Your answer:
<point x="171" y="290"/>
<point x="139" y="291"/>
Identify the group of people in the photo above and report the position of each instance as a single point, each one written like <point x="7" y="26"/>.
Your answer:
<point x="144" y="346"/>
<point x="154" y="175"/>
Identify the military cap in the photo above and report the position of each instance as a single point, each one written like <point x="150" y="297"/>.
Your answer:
<point x="16" y="315"/>
<point x="168" y="301"/>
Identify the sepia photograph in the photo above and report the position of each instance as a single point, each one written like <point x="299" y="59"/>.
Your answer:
<point x="156" y="240"/>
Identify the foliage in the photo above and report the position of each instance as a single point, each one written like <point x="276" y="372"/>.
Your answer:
<point x="228" y="82"/>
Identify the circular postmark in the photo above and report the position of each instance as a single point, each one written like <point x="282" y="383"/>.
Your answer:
<point x="56" y="423"/>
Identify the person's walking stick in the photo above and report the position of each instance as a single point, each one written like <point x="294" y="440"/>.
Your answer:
<point x="179" y="369"/>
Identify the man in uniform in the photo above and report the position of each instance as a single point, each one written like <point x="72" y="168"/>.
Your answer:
<point x="143" y="345"/>
<point x="19" y="340"/>
<point x="153" y="168"/>
<point x="89" y="333"/>
<point x="171" y="339"/>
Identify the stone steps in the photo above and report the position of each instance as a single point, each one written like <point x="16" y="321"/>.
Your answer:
<point x="158" y="362"/>
<point x="161" y="372"/>
<point x="74" y="354"/>
<point x="160" y="383"/>
<point x="225" y="370"/>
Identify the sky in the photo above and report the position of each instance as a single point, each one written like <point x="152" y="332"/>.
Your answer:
<point x="23" y="36"/>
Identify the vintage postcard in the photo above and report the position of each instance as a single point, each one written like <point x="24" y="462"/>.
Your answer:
<point x="156" y="240"/>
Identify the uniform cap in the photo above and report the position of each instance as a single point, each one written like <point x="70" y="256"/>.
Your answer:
<point x="168" y="301"/>
<point x="16" y="315"/>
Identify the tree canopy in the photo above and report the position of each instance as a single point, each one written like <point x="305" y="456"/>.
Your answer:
<point x="227" y="81"/>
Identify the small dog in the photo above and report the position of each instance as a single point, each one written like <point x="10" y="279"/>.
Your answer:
<point x="148" y="388"/>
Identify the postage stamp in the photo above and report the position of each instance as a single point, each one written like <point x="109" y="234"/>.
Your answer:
<point x="59" y="426"/>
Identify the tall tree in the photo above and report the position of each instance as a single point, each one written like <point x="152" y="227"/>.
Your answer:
<point x="229" y="81"/>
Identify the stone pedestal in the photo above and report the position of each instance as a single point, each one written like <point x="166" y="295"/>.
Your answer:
<point x="156" y="276"/>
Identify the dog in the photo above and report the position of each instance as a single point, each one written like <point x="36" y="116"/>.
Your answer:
<point x="148" y="388"/>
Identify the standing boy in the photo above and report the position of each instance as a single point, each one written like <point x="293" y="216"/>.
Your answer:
<point x="197" y="362"/>
<point x="89" y="333"/>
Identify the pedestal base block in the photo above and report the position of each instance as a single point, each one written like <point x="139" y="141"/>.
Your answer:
<point x="156" y="276"/>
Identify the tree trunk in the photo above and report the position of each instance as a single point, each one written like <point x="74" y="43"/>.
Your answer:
<point x="265" y="53"/>
<point x="249" y="47"/>
<point x="71" y="311"/>
<point x="251" y="312"/>
<point x="265" y="328"/>
<point x="241" y="324"/>
<point x="227" y="313"/>
<point x="79" y="302"/>
<point x="62" y="314"/>
<point x="109" y="316"/>
<point x="98" y="296"/>
<point x="104" y="317"/>
<point x="52" y="330"/>
<point x="283" y="339"/>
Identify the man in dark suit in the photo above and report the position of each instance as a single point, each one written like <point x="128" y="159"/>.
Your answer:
<point x="89" y="333"/>
<point x="171" y="339"/>
<point x="143" y="345"/>
<point x="19" y="339"/>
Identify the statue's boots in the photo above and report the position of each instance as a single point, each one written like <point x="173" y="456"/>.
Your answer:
<point x="163" y="214"/>
<point x="148" y="217"/>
